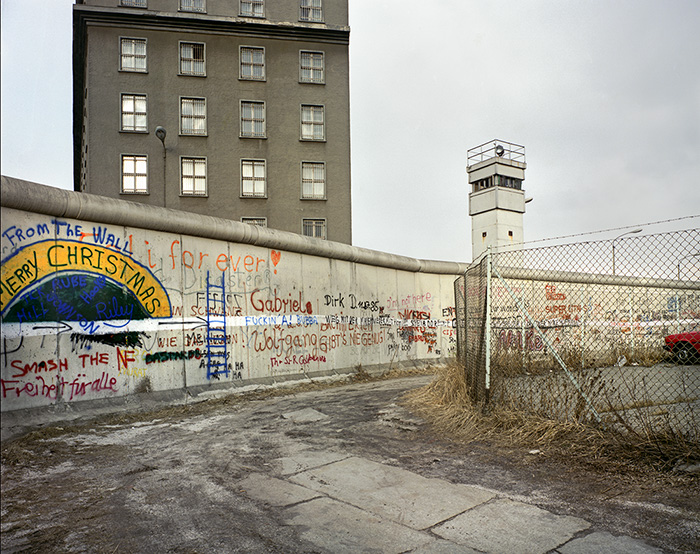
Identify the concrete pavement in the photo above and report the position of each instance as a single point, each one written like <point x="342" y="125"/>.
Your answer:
<point x="344" y="469"/>
<point x="354" y="505"/>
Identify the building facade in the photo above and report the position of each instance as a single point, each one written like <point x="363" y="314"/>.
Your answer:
<point x="231" y="108"/>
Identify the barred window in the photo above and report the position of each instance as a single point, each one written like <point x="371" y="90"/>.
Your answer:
<point x="252" y="119"/>
<point x="311" y="10"/>
<point x="192" y="59"/>
<point x="253" y="178"/>
<point x="312" y="123"/>
<point x="193" y="180"/>
<point x="134" y="117"/>
<point x="259" y="221"/>
<point x="252" y="63"/>
<point x="313" y="228"/>
<point x="193" y="116"/>
<point x="313" y="180"/>
<point x="133" y="54"/>
<point x="133" y="3"/>
<point x="252" y="8"/>
<point x="193" y="6"/>
<point x="311" y="67"/>
<point x="134" y="174"/>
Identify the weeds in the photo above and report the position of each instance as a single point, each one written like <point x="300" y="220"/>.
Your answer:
<point x="534" y="420"/>
<point x="514" y="361"/>
<point x="360" y="375"/>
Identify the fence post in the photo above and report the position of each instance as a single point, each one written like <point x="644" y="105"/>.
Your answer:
<point x="487" y="323"/>
<point x="584" y="319"/>
<point x="631" y="318"/>
<point x="522" y="328"/>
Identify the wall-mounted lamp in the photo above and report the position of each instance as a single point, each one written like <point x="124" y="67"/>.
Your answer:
<point x="161" y="133"/>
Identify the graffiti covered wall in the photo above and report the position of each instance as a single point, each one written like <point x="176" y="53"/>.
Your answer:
<point x="95" y="310"/>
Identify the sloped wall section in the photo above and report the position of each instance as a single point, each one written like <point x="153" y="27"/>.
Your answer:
<point x="104" y="299"/>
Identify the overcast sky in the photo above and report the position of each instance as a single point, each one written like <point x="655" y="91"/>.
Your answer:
<point x="604" y="95"/>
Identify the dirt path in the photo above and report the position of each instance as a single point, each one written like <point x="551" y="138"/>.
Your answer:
<point x="173" y="484"/>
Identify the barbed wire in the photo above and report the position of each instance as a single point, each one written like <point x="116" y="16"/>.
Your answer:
<point x="609" y="230"/>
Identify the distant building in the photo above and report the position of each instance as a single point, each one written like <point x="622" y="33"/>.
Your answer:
<point x="252" y="95"/>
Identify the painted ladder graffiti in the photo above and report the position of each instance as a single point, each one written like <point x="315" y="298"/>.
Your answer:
<point x="217" y="353"/>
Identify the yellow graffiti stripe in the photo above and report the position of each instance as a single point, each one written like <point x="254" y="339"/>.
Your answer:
<point x="44" y="259"/>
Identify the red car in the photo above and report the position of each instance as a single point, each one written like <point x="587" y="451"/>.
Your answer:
<point x="685" y="347"/>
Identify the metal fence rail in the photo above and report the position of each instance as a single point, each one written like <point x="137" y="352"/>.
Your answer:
<point x="576" y="332"/>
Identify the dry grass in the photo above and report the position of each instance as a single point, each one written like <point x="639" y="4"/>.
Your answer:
<point x="446" y="404"/>
<point x="513" y="362"/>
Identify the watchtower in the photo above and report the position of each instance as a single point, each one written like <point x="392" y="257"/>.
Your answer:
<point x="496" y="172"/>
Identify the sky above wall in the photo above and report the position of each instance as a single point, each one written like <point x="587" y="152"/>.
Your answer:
<point x="605" y="97"/>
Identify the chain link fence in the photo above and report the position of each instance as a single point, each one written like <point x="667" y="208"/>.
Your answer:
<point x="577" y="332"/>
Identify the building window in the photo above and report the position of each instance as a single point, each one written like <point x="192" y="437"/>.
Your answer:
<point x="312" y="123"/>
<point x="311" y="68"/>
<point x="252" y="8"/>
<point x="252" y="63"/>
<point x="133" y="54"/>
<point x="483" y="184"/>
<point x="192" y="60"/>
<point x="253" y="179"/>
<point x="311" y="10"/>
<point x="259" y="221"/>
<point x="498" y="181"/>
<point x="193" y="6"/>
<point x="133" y="3"/>
<point x="134" y="174"/>
<point x="252" y="119"/>
<point x="193" y="116"/>
<point x="134" y="117"/>
<point x="313" y="180"/>
<point x="313" y="228"/>
<point x="193" y="176"/>
<point x="509" y="182"/>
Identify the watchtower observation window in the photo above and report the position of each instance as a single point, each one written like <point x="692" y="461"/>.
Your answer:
<point x="483" y="184"/>
<point x="509" y="182"/>
<point x="498" y="181"/>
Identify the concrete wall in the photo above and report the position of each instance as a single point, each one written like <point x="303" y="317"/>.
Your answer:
<point x="103" y="299"/>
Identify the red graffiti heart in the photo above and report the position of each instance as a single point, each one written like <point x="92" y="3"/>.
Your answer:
<point x="275" y="256"/>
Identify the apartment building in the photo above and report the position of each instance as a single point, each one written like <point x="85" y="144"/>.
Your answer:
<point x="231" y="108"/>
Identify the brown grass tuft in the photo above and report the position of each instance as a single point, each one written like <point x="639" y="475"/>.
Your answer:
<point x="446" y="403"/>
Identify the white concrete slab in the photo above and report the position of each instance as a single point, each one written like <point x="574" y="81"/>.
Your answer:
<point x="339" y="528"/>
<point x="391" y="492"/>
<point x="441" y="546"/>
<point x="507" y="526"/>
<point x="275" y="492"/>
<point x="307" y="415"/>
<point x="603" y="543"/>
<point x="305" y="460"/>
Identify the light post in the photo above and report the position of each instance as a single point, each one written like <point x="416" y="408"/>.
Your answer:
<point x="685" y="258"/>
<point x="678" y="298"/>
<point x="160" y="133"/>
<point x="613" y="245"/>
